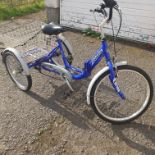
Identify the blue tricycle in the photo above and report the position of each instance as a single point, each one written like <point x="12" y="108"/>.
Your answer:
<point x="118" y="93"/>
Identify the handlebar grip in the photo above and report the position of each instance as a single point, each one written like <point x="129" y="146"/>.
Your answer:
<point x="98" y="10"/>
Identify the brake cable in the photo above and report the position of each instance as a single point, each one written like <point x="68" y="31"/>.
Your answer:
<point x="115" y="36"/>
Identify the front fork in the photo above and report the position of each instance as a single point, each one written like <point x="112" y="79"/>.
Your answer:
<point x="113" y="78"/>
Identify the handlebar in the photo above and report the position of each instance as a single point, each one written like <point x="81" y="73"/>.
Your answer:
<point x="111" y="4"/>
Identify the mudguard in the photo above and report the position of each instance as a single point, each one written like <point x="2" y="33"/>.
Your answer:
<point x="19" y="57"/>
<point x="66" y="42"/>
<point x="105" y="69"/>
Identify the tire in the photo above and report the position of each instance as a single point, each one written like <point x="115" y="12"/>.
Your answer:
<point x="57" y="59"/>
<point x="112" y="108"/>
<point x="16" y="72"/>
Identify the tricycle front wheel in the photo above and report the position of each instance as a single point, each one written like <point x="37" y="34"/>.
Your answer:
<point x="137" y="88"/>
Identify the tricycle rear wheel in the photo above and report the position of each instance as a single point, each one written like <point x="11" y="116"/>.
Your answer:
<point x="16" y="71"/>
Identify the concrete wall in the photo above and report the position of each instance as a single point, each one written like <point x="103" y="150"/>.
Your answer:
<point x="138" y="17"/>
<point x="53" y="10"/>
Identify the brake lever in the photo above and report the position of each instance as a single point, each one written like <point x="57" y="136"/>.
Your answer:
<point x="92" y="11"/>
<point x="96" y="10"/>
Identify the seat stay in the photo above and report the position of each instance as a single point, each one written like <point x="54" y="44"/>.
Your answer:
<point x="66" y="64"/>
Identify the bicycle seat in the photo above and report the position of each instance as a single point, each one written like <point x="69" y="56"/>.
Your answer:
<point x="52" y="29"/>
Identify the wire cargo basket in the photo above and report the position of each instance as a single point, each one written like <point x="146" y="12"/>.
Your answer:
<point x="29" y="40"/>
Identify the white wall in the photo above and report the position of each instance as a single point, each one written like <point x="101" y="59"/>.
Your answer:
<point x="138" y="17"/>
<point x="52" y="3"/>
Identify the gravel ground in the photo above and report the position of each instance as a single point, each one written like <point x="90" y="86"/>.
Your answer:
<point x="49" y="120"/>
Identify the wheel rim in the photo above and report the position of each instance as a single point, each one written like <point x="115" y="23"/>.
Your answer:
<point x="113" y="107"/>
<point x="16" y="72"/>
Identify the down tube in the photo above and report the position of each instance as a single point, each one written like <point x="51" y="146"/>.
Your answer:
<point x="97" y="58"/>
<point x="89" y="65"/>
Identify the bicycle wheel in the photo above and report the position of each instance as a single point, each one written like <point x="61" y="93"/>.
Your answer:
<point x="57" y="58"/>
<point x="16" y="72"/>
<point x="138" y="90"/>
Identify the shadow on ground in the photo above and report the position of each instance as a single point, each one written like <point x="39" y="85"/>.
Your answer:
<point x="147" y="132"/>
<point x="81" y="115"/>
<point x="69" y="111"/>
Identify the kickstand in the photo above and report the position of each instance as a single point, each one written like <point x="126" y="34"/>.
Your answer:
<point x="68" y="83"/>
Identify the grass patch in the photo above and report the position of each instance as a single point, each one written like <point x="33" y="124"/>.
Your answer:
<point x="92" y="33"/>
<point x="6" y="12"/>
